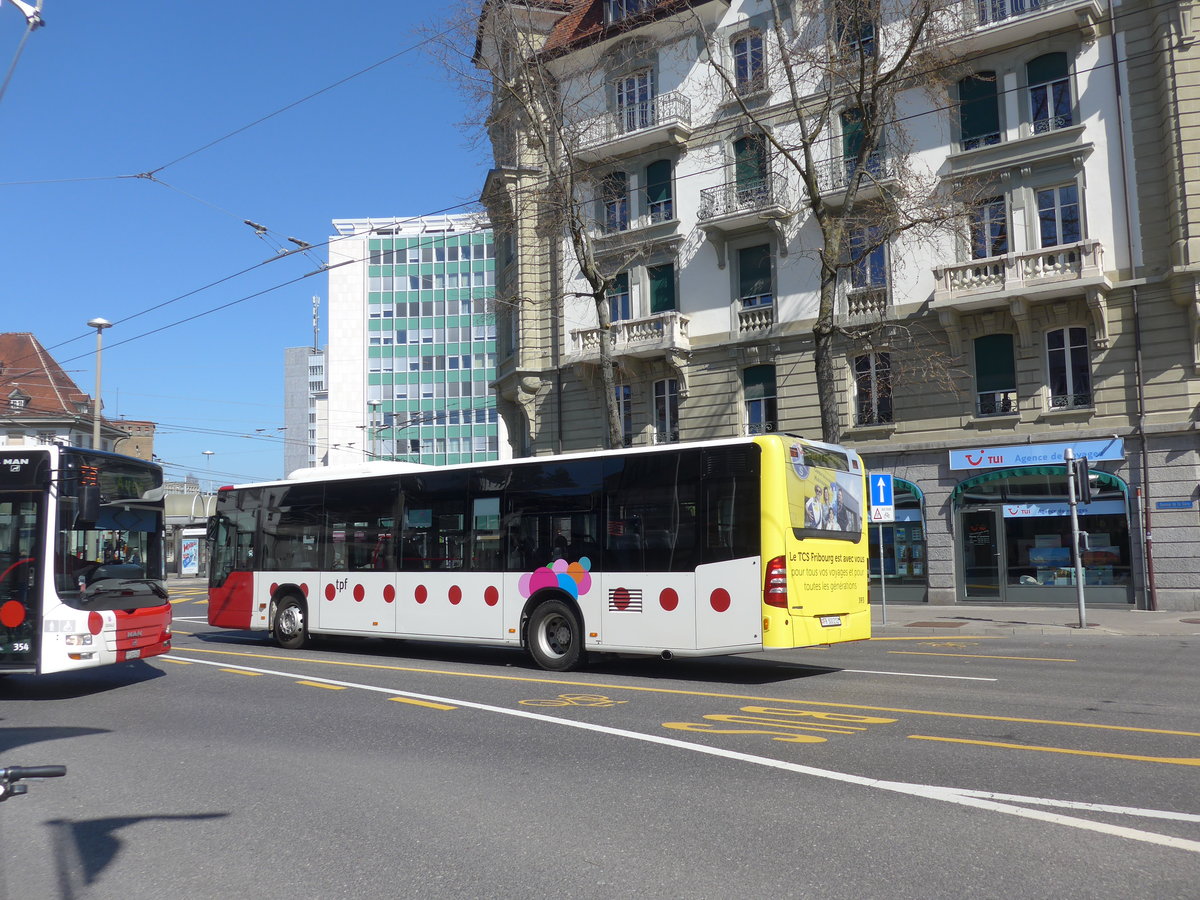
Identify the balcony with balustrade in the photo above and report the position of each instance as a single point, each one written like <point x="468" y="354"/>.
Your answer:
<point x="1044" y="273"/>
<point x="662" y="121"/>
<point x="836" y="175"/>
<point x="994" y="23"/>
<point x="664" y="333"/>
<point x="755" y="314"/>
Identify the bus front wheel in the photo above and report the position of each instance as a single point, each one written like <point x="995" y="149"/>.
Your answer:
<point x="289" y="628"/>
<point x="555" y="637"/>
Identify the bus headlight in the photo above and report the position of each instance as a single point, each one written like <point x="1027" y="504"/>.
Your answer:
<point x="79" y="640"/>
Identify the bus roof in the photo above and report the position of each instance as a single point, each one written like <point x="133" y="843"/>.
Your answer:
<point x="389" y="467"/>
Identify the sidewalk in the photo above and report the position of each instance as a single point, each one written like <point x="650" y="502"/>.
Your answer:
<point x="969" y="619"/>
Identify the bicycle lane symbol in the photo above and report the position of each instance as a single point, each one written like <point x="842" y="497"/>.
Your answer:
<point x="592" y="700"/>
<point x="796" y="726"/>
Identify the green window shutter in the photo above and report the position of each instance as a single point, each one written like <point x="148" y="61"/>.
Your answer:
<point x="1049" y="67"/>
<point x="759" y="382"/>
<point x="852" y="133"/>
<point x="662" y="288"/>
<point x="749" y="160"/>
<point x="754" y="271"/>
<point x="995" y="369"/>
<point x="658" y="181"/>
<point x="979" y="109"/>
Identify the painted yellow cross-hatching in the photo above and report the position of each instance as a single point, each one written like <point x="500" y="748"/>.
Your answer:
<point x="594" y="700"/>
<point x="771" y="721"/>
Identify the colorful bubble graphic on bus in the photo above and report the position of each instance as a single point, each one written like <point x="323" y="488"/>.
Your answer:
<point x="574" y="578"/>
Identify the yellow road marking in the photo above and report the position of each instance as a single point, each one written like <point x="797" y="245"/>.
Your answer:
<point x="180" y="600"/>
<point x="328" y="687"/>
<point x="177" y="631"/>
<point x="981" y="656"/>
<point x="416" y="702"/>
<point x="679" y="692"/>
<point x="241" y="672"/>
<point x="1169" y="760"/>
<point x="178" y="662"/>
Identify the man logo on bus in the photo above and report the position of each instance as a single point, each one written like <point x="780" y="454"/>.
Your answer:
<point x="574" y="578"/>
<point x="798" y="464"/>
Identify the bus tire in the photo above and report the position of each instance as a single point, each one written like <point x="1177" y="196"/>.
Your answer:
<point x="289" y="626"/>
<point x="554" y="636"/>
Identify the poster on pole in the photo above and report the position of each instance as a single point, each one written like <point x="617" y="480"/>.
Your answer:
<point x="189" y="563"/>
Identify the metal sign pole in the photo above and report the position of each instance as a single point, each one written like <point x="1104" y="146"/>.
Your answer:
<point x="1069" y="459"/>
<point x="882" y="577"/>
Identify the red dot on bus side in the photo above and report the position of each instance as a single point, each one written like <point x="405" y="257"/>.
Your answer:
<point x="359" y="593"/>
<point x="304" y="589"/>
<point x="330" y="591"/>
<point x="620" y="598"/>
<point x="12" y="614"/>
<point x="389" y="593"/>
<point x="274" y="587"/>
<point x="719" y="599"/>
<point x="491" y="596"/>
<point x="421" y="594"/>
<point x="95" y="622"/>
<point x="668" y="599"/>
<point x="455" y="594"/>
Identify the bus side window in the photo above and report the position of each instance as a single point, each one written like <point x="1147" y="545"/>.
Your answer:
<point x="292" y="527"/>
<point x="434" y="525"/>
<point x="360" y="517"/>
<point x="652" y="504"/>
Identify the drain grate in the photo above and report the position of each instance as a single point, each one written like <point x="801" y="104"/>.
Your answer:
<point x="936" y="624"/>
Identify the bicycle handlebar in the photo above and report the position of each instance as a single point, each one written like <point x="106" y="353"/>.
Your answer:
<point x="16" y="773"/>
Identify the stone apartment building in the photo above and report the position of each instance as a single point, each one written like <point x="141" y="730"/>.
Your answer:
<point x="1062" y="310"/>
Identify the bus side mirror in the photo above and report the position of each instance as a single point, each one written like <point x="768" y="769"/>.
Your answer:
<point x="88" y="511"/>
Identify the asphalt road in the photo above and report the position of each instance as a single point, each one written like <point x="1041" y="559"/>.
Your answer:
<point x="1048" y="766"/>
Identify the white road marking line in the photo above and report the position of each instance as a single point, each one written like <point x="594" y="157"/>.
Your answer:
<point x="919" y="675"/>
<point x="957" y="796"/>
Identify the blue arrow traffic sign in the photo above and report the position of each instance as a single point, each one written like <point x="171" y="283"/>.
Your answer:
<point x="881" y="490"/>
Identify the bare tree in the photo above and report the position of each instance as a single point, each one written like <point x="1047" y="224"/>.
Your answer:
<point x="537" y="108"/>
<point x="821" y="87"/>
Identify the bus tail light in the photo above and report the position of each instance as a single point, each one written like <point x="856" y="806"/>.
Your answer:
<point x="775" y="591"/>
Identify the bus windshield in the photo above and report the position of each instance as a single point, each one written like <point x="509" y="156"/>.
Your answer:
<point x="20" y="527"/>
<point x="115" y="561"/>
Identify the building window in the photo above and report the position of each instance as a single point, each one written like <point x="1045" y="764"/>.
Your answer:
<point x="616" y="10"/>
<point x="660" y="205"/>
<point x="978" y="111"/>
<point x="1049" y="92"/>
<point x="662" y="288"/>
<point x="873" y="388"/>
<point x="989" y="228"/>
<point x="868" y="258"/>
<point x="995" y="375"/>
<point x="749" y="63"/>
<point x="758" y="387"/>
<point x="1058" y="215"/>
<point x="617" y="295"/>
<point x="754" y="276"/>
<point x="666" y="411"/>
<point x="750" y="168"/>
<point x="855" y="123"/>
<point x="614" y="201"/>
<point x="635" y="101"/>
<point x="854" y="27"/>
<point x="1069" y="368"/>
<point x="625" y="413"/>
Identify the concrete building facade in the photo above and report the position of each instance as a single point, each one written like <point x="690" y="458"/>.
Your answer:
<point x="412" y="341"/>
<point x="1062" y="310"/>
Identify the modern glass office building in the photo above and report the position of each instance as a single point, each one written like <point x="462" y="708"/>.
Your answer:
<point x="412" y="348"/>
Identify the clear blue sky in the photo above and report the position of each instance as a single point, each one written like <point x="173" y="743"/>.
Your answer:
<point x="111" y="89"/>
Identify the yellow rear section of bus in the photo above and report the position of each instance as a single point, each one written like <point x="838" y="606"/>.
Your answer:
<point x="814" y="543"/>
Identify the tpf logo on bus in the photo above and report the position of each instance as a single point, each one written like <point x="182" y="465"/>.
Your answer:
<point x="798" y="464"/>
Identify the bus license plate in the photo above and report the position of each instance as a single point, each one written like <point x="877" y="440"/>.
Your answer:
<point x="830" y="621"/>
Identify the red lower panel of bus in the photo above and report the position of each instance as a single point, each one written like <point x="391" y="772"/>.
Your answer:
<point x="230" y="605"/>
<point x="143" y="632"/>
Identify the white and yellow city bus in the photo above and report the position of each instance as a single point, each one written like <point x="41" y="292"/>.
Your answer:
<point x="81" y="560"/>
<point x="697" y="549"/>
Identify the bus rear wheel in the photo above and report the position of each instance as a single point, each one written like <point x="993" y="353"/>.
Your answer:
<point x="555" y="637"/>
<point x="289" y="628"/>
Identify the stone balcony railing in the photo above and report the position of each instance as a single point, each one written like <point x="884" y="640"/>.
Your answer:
<point x="755" y="313"/>
<point x="867" y="301"/>
<point x="1028" y="272"/>
<point x="665" y="119"/>
<point x="644" y="337"/>
<point x="1025" y="19"/>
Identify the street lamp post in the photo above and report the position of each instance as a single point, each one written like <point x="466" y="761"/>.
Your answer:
<point x="99" y="324"/>
<point x="373" y="428"/>
<point x="208" y="455"/>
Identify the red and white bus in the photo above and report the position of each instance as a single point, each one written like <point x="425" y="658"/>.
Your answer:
<point x="677" y="550"/>
<point x="81" y="560"/>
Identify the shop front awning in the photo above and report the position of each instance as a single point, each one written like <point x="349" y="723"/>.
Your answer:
<point x="1106" y="479"/>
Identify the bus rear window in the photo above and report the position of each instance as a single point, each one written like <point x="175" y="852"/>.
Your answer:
<point x="825" y="493"/>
